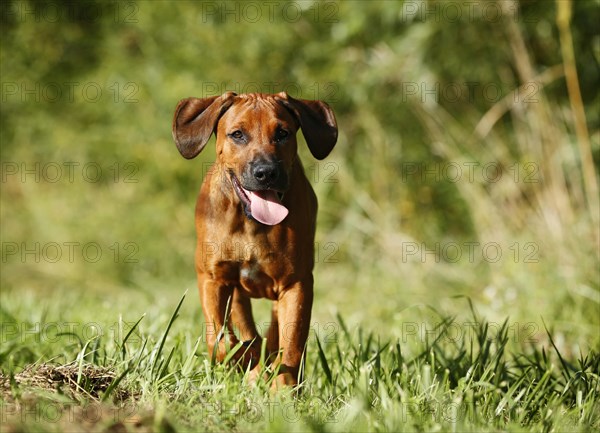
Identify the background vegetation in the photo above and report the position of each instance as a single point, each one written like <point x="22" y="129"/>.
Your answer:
<point x="466" y="167"/>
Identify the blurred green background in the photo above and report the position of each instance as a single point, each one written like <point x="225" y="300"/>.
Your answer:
<point x="458" y="171"/>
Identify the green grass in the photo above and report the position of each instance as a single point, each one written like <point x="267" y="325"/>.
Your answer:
<point x="103" y="346"/>
<point x="162" y="379"/>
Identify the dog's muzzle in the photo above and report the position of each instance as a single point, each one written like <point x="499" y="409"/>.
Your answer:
<point x="259" y="193"/>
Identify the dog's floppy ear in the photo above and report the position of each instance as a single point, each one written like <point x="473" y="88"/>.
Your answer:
<point x="317" y="122"/>
<point x="195" y="120"/>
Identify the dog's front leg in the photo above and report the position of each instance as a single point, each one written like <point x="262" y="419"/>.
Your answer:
<point x="293" y="311"/>
<point x="217" y="301"/>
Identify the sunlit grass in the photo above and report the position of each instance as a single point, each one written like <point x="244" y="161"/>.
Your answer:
<point x="355" y="381"/>
<point x="395" y="345"/>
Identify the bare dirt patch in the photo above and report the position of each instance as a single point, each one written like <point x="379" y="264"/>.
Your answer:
<point x="74" y="381"/>
<point x="66" y="398"/>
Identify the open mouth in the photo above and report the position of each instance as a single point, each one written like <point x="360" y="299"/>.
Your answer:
<point x="264" y="206"/>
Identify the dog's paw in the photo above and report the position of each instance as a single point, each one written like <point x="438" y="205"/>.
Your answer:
<point x="283" y="380"/>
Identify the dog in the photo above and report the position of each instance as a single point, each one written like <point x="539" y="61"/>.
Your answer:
<point x="255" y="221"/>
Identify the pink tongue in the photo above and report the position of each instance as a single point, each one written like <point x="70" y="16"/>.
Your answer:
<point x="266" y="207"/>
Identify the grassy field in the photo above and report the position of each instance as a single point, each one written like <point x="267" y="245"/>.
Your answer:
<point x="457" y="282"/>
<point x="151" y="373"/>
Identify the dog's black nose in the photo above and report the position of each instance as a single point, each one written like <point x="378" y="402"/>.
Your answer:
<point x="266" y="173"/>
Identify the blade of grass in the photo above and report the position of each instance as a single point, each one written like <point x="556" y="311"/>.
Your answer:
<point x="158" y="352"/>
<point x="113" y="385"/>
<point x="565" y="366"/>
<point x="324" y="362"/>
<point x="133" y="328"/>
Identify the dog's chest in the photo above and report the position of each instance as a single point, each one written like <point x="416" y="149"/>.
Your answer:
<point x="257" y="264"/>
<point x="256" y="278"/>
<point x="255" y="282"/>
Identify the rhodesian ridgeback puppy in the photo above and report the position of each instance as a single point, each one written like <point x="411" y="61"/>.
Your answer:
<point x="255" y="220"/>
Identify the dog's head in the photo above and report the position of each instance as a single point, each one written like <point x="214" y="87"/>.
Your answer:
<point x="256" y="142"/>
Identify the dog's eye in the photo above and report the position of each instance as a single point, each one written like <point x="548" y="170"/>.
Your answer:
<point x="237" y="135"/>
<point x="281" y="134"/>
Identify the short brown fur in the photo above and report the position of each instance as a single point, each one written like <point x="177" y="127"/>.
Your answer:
<point x="238" y="258"/>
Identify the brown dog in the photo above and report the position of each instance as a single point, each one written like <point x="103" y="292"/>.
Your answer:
<point x="255" y="219"/>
